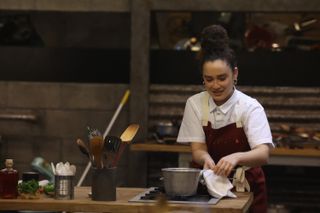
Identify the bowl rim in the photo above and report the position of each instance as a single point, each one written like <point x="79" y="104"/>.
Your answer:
<point x="180" y="169"/>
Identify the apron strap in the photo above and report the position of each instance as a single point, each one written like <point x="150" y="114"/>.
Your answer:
<point x="239" y="179"/>
<point x="205" y="108"/>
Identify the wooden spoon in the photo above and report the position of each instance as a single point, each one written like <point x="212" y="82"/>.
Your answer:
<point x="96" y="147"/>
<point x="126" y="138"/>
<point x="83" y="148"/>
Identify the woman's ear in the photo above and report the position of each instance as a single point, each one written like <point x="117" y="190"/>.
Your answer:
<point x="235" y="73"/>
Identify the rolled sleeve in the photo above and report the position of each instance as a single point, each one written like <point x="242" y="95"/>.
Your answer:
<point x="191" y="128"/>
<point x="257" y="127"/>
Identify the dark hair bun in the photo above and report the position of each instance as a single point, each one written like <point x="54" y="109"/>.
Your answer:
<point x="214" y="39"/>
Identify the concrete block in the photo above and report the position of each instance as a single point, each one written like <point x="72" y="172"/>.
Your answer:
<point x="3" y="94"/>
<point x="92" y="96"/>
<point x="33" y="95"/>
<point x="74" y="123"/>
<point x="48" y="148"/>
<point x="65" y="124"/>
<point x="20" y="127"/>
<point x="71" y="152"/>
<point x="20" y="150"/>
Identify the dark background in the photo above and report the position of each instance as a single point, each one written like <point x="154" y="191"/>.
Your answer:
<point x="82" y="47"/>
<point x="259" y="68"/>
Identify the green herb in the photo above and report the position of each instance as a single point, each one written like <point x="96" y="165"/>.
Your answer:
<point x="30" y="187"/>
<point x="49" y="188"/>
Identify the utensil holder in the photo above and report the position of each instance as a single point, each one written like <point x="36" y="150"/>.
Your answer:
<point x="63" y="187"/>
<point x="104" y="184"/>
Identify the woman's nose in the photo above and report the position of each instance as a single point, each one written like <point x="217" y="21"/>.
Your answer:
<point x="214" y="85"/>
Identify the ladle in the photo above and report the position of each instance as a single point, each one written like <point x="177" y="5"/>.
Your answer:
<point x="126" y="138"/>
<point x="111" y="147"/>
<point x="112" y="143"/>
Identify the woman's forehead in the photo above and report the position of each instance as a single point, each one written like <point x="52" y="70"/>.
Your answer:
<point x="217" y="66"/>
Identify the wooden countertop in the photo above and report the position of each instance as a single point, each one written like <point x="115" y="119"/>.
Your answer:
<point x="83" y="203"/>
<point x="155" y="147"/>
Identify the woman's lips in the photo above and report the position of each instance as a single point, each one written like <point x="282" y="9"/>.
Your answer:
<point x="217" y="93"/>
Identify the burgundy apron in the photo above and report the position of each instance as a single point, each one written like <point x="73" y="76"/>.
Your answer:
<point x="231" y="139"/>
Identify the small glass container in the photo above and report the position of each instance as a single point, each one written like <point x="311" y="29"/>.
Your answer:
<point x="9" y="181"/>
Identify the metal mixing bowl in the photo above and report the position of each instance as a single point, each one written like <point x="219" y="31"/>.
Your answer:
<point x="181" y="181"/>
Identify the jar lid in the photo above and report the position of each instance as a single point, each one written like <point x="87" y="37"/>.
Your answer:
<point x="26" y="176"/>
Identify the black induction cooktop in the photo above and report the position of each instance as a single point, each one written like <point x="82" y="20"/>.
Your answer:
<point x="151" y="195"/>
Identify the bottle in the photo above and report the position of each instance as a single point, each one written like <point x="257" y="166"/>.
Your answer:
<point x="9" y="181"/>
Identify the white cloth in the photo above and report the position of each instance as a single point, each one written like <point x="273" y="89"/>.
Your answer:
<point x="217" y="186"/>
<point x="239" y="108"/>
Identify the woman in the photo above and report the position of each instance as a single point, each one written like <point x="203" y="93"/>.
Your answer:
<point x="226" y="128"/>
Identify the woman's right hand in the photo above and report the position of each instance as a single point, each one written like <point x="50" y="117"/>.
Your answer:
<point x="208" y="164"/>
<point x="201" y="156"/>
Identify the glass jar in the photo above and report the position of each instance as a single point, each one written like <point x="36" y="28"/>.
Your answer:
<point x="9" y="181"/>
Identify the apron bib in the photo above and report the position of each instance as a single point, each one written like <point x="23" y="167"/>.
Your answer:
<point x="230" y="139"/>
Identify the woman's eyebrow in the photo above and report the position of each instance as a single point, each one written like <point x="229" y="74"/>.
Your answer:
<point x="221" y="75"/>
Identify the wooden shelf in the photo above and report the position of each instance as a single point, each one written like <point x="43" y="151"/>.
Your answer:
<point x="162" y="5"/>
<point x="306" y="152"/>
<point x="154" y="147"/>
<point x="236" y="5"/>
<point x="67" y="6"/>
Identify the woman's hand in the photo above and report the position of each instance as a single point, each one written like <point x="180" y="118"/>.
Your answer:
<point x="201" y="156"/>
<point x="255" y="157"/>
<point x="208" y="164"/>
<point x="226" y="164"/>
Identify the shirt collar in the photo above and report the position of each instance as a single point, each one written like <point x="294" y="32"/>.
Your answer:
<point x="224" y="108"/>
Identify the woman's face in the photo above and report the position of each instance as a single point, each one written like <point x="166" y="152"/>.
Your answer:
<point x="219" y="80"/>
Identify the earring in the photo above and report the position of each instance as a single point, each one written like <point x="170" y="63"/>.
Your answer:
<point x="235" y="81"/>
<point x="203" y="82"/>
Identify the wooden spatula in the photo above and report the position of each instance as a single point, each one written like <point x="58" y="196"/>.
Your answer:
<point x="129" y="133"/>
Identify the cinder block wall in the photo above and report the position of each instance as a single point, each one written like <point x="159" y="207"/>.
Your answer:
<point x="63" y="111"/>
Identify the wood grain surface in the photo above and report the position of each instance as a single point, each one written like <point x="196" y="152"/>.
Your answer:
<point x="83" y="203"/>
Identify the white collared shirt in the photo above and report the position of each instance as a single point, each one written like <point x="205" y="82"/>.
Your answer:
<point x="239" y="108"/>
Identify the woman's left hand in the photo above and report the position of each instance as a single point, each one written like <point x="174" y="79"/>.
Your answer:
<point x="255" y="157"/>
<point x="226" y="164"/>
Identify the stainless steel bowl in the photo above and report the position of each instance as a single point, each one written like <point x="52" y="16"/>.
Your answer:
<point x="180" y="181"/>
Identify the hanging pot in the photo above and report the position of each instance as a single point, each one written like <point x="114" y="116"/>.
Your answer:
<point x="166" y="129"/>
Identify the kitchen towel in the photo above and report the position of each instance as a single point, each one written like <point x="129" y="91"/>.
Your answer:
<point x="217" y="186"/>
<point x="240" y="181"/>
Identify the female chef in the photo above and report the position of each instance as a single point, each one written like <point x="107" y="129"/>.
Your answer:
<point x="226" y="128"/>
